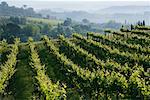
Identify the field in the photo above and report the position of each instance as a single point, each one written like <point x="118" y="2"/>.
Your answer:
<point x="47" y="21"/>
<point x="110" y="66"/>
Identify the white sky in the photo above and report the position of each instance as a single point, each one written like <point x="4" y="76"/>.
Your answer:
<point x="76" y="4"/>
<point x="74" y="0"/>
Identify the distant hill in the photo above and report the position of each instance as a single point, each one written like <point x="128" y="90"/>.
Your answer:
<point x="75" y="15"/>
<point x="121" y="14"/>
<point x="125" y="9"/>
<point x="6" y="10"/>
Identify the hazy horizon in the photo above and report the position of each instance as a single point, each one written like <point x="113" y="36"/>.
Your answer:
<point x="89" y="6"/>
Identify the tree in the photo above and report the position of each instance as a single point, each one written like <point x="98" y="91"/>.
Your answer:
<point x="68" y="31"/>
<point x="60" y="29"/>
<point x="31" y="30"/>
<point x="4" y="4"/>
<point x="77" y="28"/>
<point x="18" y="20"/>
<point x="85" y="21"/>
<point x="6" y="10"/>
<point x="47" y="16"/>
<point x="10" y="31"/>
<point x="143" y="22"/>
<point x="132" y="27"/>
<point x="140" y="23"/>
<point x="24" y="6"/>
<point x="46" y="29"/>
<point x="68" y="22"/>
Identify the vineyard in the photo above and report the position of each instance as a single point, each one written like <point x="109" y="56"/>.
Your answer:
<point x="110" y="66"/>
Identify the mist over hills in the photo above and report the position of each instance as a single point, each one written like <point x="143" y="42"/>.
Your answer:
<point x="125" y="9"/>
<point x="97" y="12"/>
<point x="118" y="13"/>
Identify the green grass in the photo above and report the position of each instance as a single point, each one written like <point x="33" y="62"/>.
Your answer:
<point x="47" y="21"/>
<point x="22" y="85"/>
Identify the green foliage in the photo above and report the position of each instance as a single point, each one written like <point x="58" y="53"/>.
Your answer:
<point x="140" y="85"/>
<point x="3" y="45"/>
<point x="8" y="68"/>
<point x="86" y="74"/>
<point x="114" y="53"/>
<point x="122" y="45"/>
<point x="51" y="90"/>
<point x="68" y="22"/>
<point x="31" y="30"/>
<point x="129" y="38"/>
<point x="96" y="67"/>
<point x="18" y="20"/>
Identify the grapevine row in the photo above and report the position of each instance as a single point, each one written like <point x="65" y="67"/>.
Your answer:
<point x="104" y="66"/>
<point x="141" y="32"/>
<point x="102" y="76"/>
<point x="141" y="80"/>
<point x="130" y="36"/>
<point x="86" y="58"/>
<point x="83" y="73"/>
<point x="51" y="90"/>
<point x="122" y="45"/>
<point x="142" y="27"/>
<point x="7" y="69"/>
<point x="115" y="53"/>
<point x="133" y="39"/>
<point x="124" y="67"/>
<point x="3" y="45"/>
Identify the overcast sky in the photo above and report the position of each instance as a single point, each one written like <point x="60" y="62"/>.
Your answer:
<point x="87" y="5"/>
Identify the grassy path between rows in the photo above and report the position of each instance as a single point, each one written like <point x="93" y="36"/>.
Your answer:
<point x="22" y="85"/>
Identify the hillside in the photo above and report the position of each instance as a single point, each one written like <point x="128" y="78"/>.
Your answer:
<point x="115" y="65"/>
<point x="125" y="9"/>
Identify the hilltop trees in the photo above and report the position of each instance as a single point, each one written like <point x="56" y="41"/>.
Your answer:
<point x="67" y="22"/>
<point x="10" y="31"/>
<point x="85" y="21"/>
<point x="141" y="23"/>
<point x="18" y="20"/>
<point x="4" y="4"/>
<point x="6" y="10"/>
